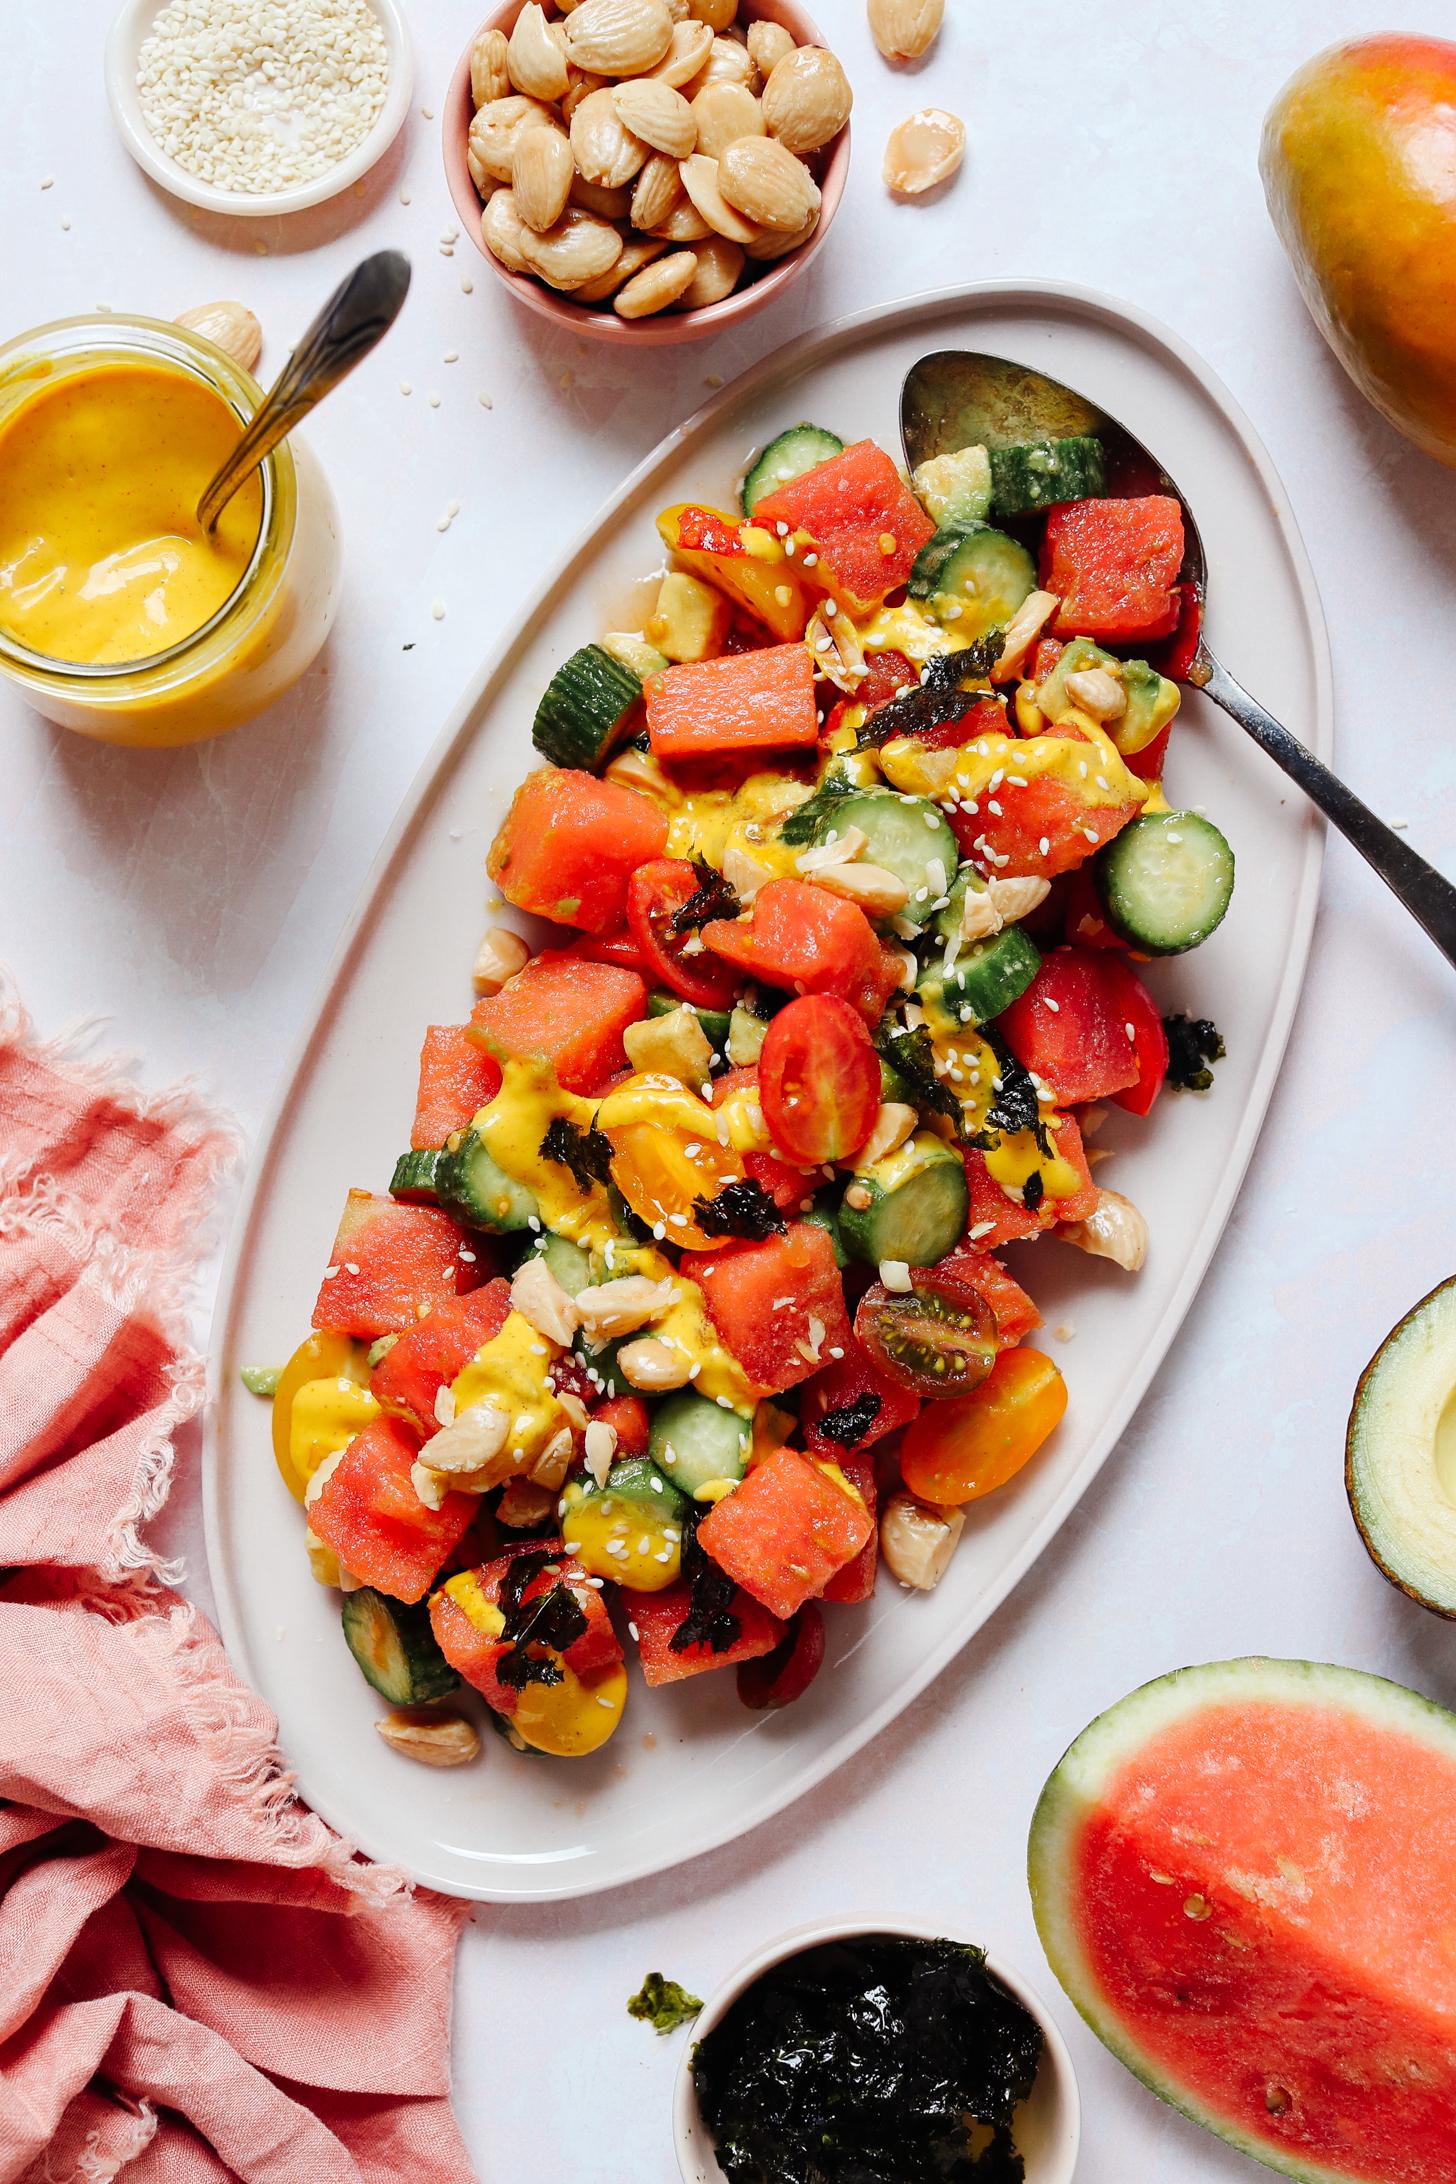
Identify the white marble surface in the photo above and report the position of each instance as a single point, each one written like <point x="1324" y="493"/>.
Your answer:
<point x="195" y="897"/>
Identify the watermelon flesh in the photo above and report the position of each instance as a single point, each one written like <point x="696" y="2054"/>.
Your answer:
<point x="1244" y="1875"/>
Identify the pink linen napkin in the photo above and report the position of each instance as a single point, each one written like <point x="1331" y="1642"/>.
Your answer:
<point x="198" y="1980"/>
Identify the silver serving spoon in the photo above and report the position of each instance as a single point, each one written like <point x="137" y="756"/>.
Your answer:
<point x="958" y="399"/>
<point x="359" y="313"/>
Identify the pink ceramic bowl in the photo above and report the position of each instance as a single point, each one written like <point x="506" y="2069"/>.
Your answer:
<point x="602" y="323"/>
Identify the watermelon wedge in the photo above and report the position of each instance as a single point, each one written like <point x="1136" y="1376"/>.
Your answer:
<point x="1244" y="1875"/>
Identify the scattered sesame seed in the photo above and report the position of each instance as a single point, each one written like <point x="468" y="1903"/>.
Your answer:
<point x="437" y="611"/>
<point x="433" y="399"/>
<point x="451" y="356"/>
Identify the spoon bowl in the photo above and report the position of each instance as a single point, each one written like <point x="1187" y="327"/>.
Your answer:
<point x="958" y="398"/>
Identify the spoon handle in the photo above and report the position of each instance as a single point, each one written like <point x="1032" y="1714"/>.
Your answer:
<point x="1430" y="898"/>
<point x="358" y="314"/>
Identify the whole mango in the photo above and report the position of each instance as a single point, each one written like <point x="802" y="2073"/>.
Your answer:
<point x="1359" y="168"/>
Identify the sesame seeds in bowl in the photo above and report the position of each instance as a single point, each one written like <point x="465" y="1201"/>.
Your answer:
<point x="255" y="107"/>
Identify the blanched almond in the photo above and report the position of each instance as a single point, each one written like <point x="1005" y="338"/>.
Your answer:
<point x="534" y="57"/>
<point x="501" y="229"/>
<point x="576" y="250"/>
<point x="657" y="286"/>
<point x="580" y="87"/>
<point x="619" y="37"/>
<point x="768" y="244"/>
<point x="924" y="151"/>
<point x="723" y="112"/>
<point x="436" y="1740"/>
<point x="767" y="184"/>
<point x="717" y="14"/>
<point x="501" y="953"/>
<point x="232" y="327"/>
<point x="684" y="224"/>
<point x="658" y="115"/>
<point x="700" y="180"/>
<point x="904" y="30"/>
<point x="687" y="55"/>
<point x="605" y="150"/>
<point x="490" y="76"/>
<point x="727" y="62"/>
<point x="807" y="100"/>
<point x="606" y="204"/>
<point x="720" y="268"/>
<point x="767" y="44"/>
<point x="541" y="176"/>
<point x="659" y="188"/>
<point x="637" y="251"/>
<point x="491" y="145"/>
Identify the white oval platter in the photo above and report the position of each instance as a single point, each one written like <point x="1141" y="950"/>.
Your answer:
<point x="690" y="1769"/>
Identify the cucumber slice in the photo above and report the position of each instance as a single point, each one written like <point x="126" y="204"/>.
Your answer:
<point x="472" y="1186"/>
<point x="568" y="1262"/>
<point x="586" y="708"/>
<point x="982" y="982"/>
<point x="1166" y="881"/>
<point x="714" y="1021"/>
<point x="907" y="835"/>
<point x="414" y="1177"/>
<point x="977" y="570"/>
<point x="801" y="448"/>
<point x="631" y="650"/>
<point x="918" y="1204"/>
<point x="1041" y="472"/>
<point x="746" y="1034"/>
<point x="947" y="922"/>
<point x="694" y="1442"/>
<point x="955" y="488"/>
<point x="395" y="1648"/>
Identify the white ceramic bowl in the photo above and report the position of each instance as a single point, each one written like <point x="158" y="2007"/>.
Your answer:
<point x="127" y="36"/>
<point x="1048" y="2123"/>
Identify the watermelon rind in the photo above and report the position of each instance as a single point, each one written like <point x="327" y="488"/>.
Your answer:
<point x="1075" y="1788"/>
<point x="1403" y="1514"/>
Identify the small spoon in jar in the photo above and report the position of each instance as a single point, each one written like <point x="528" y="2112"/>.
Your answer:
<point x="958" y="398"/>
<point x="358" y="314"/>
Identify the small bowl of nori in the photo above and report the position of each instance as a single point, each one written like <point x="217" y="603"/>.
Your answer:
<point x="844" y="2054"/>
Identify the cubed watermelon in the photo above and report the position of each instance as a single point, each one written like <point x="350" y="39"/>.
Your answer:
<point x="656" y="1618"/>
<point x="369" y="1513"/>
<point x="572" y="1012"/>
<point x="1014" y="1313"/>
<point x="1070" y="1027"/>
<point x="408" y="1377"/>
<point x="747" y="701"/>
<point x="456" y="1077"/>
<point x="777" y="1305"/>
<point x="993" y="1219"/>
<point x="475" y="1653"/>
<point x="1114" y="564"/>
<point x="807" y="940"/>
<point x="784" y="1532"/>
<point x="842" y="1386"/>
<point x="390" y="1265"/>
<point x="854" y="1584"/>
<point x="864" y="522"/>
<point x="1042" y="827"/>
<point x="569" y="845"/>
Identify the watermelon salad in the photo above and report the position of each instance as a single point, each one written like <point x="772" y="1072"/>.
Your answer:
<point x="687" y="1302"/>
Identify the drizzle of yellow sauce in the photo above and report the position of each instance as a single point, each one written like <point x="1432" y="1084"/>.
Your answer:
<point x="1093" y="771"/>
<point x="713" y="821"/>
<point x="509" y="1373"/>
<point x="102" y="559"/>
<point x="326" y="1415"/>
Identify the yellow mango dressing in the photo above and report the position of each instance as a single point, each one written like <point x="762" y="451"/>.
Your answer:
<point x="119" y="616"/>
<point x="102" y="559"/>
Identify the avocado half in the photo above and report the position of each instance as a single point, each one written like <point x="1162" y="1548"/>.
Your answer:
<point x="1400" y="1453"/>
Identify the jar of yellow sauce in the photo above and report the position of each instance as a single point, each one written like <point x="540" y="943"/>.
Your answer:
<point x="119" y="616"/>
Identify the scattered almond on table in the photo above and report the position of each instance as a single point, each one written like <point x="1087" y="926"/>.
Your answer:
<point x="905" y="30"/>
<point x="649" y="154"/>
<point x="231" y="326"/>
<point x="924" y="151"/>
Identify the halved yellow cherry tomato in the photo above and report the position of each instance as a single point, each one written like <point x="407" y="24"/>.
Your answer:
<point x="573" y="1717"/>
<point x="322" y="1356"/>
<point x="666" y="1156"/>
<point x="955" y="1452"/>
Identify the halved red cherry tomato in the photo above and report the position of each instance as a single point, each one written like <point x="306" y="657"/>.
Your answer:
<point x="778" y="1678"/>
<point x="1144" y="1025"/>
<point x="938" y="1337"/>
<point x="619" y="948"/>
<point x="818" y="1080"/>
<point x="657" y="892"/>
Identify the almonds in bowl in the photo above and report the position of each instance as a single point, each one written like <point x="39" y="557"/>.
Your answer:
<point x="647" y="169"/>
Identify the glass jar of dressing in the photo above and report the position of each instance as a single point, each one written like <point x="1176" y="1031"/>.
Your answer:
<point x="119" y="616"/>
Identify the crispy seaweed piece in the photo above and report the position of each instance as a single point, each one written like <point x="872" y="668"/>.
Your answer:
<point x="848" y="1423"/>
<point x="709" y="1621"/>
<point x="1194" y="1043"/>
<point x="882" y="2060"/>
<point x="742" y="1209"/>
<point x="587" y="1153"/>
<point x="553" y="1619"/>
<point x="911" y="1053"/>
<point x="941" y="694"/>
<point x="663" y="2004"/>
<point x="714" y="899"/>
